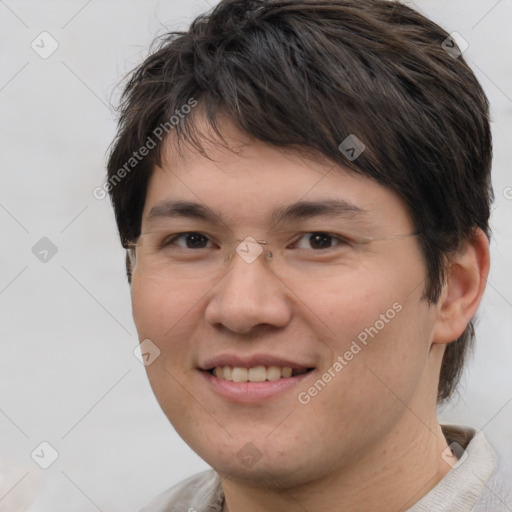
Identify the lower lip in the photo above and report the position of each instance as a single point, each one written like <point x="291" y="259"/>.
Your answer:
<point x="250" y="392"/>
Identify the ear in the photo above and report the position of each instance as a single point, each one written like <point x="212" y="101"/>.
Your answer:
<point x="467" y="276"/>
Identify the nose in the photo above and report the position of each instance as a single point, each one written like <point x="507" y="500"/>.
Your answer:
<point x="250" y="294"/>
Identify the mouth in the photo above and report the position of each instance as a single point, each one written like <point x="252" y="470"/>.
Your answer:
<point x="256" y="373"/>
<point x="253" y="378"/>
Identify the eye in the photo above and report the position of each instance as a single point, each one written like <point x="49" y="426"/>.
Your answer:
<point x="320" y="240"/>
<point x="192" y="240"/>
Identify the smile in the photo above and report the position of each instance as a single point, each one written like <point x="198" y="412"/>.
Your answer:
<point x="254" y="374"/>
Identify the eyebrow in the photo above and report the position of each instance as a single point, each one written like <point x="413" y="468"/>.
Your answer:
<point x="296" y="211"/>
<point x="307" y="209"/>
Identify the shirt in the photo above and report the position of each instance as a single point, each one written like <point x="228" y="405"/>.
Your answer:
<point x="475" y="483"/>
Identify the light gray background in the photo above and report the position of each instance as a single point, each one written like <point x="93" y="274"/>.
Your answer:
<point x="67" y="372"/>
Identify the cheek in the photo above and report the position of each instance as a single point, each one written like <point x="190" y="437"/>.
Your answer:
<point x="168" y="318"/>
<point x="160" y="309"/>
<point x="148" y="309"/>
<point x="343" y="311"/>
<point x="380" y="329"/>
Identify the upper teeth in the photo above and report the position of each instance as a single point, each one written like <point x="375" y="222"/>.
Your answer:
<point x="256" y="374"/>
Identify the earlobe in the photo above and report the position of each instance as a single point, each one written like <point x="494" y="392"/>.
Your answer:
<point x="465" y="284"/>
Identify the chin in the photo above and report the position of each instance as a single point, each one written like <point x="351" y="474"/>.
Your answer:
<point x="267" y="466"/>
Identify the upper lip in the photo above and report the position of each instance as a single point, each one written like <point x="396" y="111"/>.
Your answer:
<point x="251" y="362"/>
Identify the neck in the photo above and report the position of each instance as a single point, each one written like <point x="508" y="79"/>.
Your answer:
<point x="392" y="476"/>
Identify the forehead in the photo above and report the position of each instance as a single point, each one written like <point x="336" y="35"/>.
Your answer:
<point x="253" y="183"/>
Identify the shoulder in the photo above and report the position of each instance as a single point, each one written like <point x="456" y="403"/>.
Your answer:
<point x="476" y="483"/>
<point x="496" y="489"/>
<point x="497" y="494"/>
<point x="201" y="492"/>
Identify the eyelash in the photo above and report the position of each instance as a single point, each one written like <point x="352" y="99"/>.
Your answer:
<point x="342" y="241"/>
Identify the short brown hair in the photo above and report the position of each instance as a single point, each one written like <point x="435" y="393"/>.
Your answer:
<point x="309" y="73"/>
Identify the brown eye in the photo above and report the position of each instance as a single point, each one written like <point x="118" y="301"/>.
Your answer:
<point x="192" y="240"/>
<point x="320" y="240"/>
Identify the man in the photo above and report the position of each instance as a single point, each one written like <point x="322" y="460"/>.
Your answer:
<point x="303" y="189"/>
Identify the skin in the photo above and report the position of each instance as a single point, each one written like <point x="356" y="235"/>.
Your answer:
<point x="370" y="440"/>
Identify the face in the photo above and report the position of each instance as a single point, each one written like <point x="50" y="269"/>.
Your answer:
<point x="357" y="335"/>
